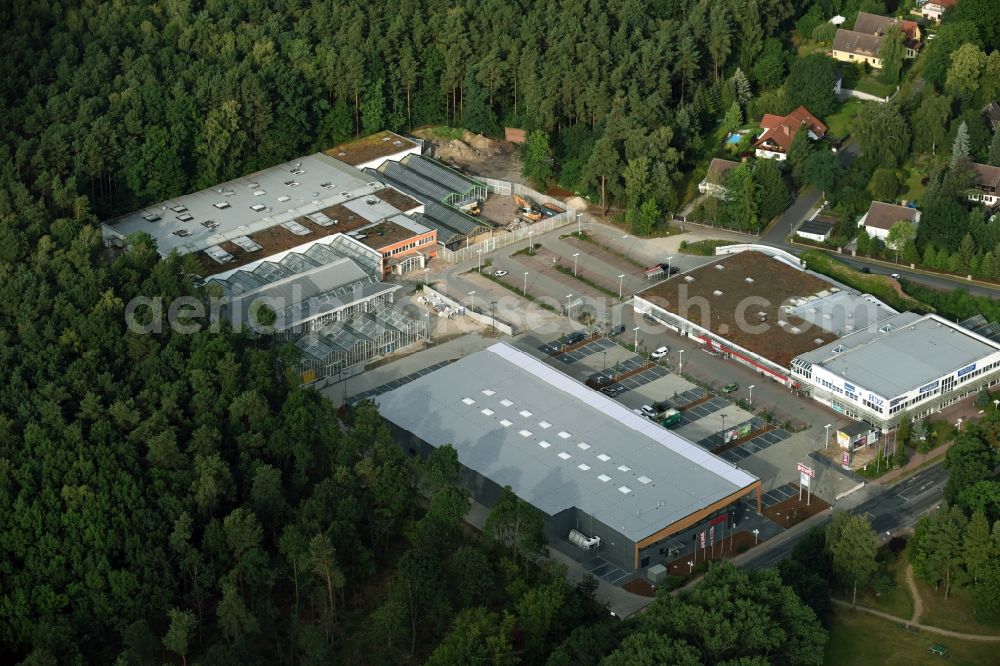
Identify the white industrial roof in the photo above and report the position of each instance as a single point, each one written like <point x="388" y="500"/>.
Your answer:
<point x="249" y="204"/>
<point x="902" y="353"/>
<point x="559" y="444"/>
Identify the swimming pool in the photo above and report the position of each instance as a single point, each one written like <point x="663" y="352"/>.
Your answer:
<point x="733" y="138"/>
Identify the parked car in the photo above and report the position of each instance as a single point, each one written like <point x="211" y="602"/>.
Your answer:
<point x="670" y="270"/>
<point x="896" y="276"/>
<point x="612" y="391"/>
<point x="617" y="330"/>
<point x="865" y="269"/>
<point x="500" y="273"/>
<point x="660" y="352"/>
<point x="574" y="337"/>
<point x="648" y="411"/>
<point x="730" y="388"/>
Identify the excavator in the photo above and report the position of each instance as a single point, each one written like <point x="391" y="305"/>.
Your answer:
<point x="527" y="209"/>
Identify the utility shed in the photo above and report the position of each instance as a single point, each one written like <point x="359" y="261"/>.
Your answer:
<point x="583" y="460"/>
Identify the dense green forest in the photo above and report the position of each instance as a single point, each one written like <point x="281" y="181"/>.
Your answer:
<point x="175" y="497"/>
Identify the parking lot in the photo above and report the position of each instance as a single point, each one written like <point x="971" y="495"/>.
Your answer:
<point x="595" y="347"/>
<point x="702" y="410"/>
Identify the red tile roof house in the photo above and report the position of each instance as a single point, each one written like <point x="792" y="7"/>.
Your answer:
<point x="776" y="139"/>
<point x="881" y="216"/>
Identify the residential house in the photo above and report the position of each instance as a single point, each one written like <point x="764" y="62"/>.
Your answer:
<point x="985" y="184"/>
<point x="714" y="183"/>
<point x="991" y="113"/>
<point x="881" y="216"/>
<point x="776" y="139"/>
<point x="863" y="43"/>
<point x="932" y="11"/>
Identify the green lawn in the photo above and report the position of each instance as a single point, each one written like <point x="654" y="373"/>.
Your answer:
<point x="860" y="638"/>
<point x="954" y="613"/>
<point x="912" y="188"/>
<point x="840" y="122"/>
<point x="872" y="86"/>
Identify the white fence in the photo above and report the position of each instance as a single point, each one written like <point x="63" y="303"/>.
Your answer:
<point x="484" y="319"/>
<point x="502" y="238"/>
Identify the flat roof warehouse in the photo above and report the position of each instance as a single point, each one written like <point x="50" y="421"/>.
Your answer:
<point x="766" y="306"/>
<point x="559" y="445"/>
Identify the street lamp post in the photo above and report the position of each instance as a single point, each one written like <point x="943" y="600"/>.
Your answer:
<point x="605" y="352"/>
<point x="525" y="291"/>
<point x="750" y="399"/>
<point x="425" y="276"/>
<point x="575" y="255"/>
<point x="690" y="567"/>
<point x="472" y="303"/>
<point x="827" y="444"/>
<point x="621" y="284"/>
<point x="569" y="307"/>
<point x="578" y="216"/>
<point x="680" y="369"/>
<point x="531" y="246"/>
<point x="636" y="329"/>
<point x="669" y="259"/>
<point x="479" y="254"/>
<point x="493" y="310"/>
<point x="756" y="534"/>
<point x="723" y="426"/>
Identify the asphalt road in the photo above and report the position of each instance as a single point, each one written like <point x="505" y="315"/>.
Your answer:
<point x="778" y="233"/>
<point x="890" y="510"/>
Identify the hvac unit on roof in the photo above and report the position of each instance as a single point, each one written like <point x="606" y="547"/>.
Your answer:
<point x="371" y="201"/>
<point x="749" y="280"/>
<point x="720" y="267"/>
<point x="717" y="292"/>
<point x="583" y="541"/>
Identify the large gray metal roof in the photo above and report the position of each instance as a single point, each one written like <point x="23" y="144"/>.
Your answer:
<point x="559" y="444"/>
<point x="248" y="204"/>
<point x="902" y="353"/>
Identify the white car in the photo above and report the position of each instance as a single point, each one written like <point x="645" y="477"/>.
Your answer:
<point x="660" y="352"/>
<point x="648" y="411"/>
<point x="500" y="273"/>
<point x="896" y="276"/>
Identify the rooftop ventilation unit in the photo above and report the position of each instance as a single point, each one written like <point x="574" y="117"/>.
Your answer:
<point x="818" y="341"/>
<point x="221" y="205"/>
<point x="371" y="201"/>
<point x="283" y="198"/>
<point x="887" y="328"/>
<point x="185" y="217"/>
<point x="179" y="208"/>
<point x="253" y="186"/>
<point x="326" y="186"/>
<point x="720" y="267"/>
<point x="297" y="171"/>
<point x="259" y="193"/>
<point x="717" y="292"/>
<point x="748" y="280"/>
<point x="795" y="329"/>
<point x="258" y="208"/>
<point x="583" y="541"/>
<point x="151" y="217"/>
<point x="689" y="278"/>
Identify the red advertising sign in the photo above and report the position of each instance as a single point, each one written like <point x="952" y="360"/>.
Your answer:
<point x="808" y="471"/>
<point x="718" y="519"/>
<point x="846" y="459"/>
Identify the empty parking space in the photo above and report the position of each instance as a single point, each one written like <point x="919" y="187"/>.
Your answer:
<point x="396" y="383"/>
<point x="777" y="495"/>
<point x="601" y="568"/>
<point x="594" y="347"/>
<point x="758" y="443"/>
<point x="702" y="410"/>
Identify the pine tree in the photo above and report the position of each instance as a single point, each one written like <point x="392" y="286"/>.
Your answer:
<point x="741" y="87"/>
<point x="978" y="546"/>
<point x="734" y="118"/>
<point x="960" y="148"/>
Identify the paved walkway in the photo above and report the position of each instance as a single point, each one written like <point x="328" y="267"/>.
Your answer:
<point x="924" y="627"/>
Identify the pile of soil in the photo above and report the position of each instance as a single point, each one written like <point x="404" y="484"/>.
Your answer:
<point x="577" y="203"/>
